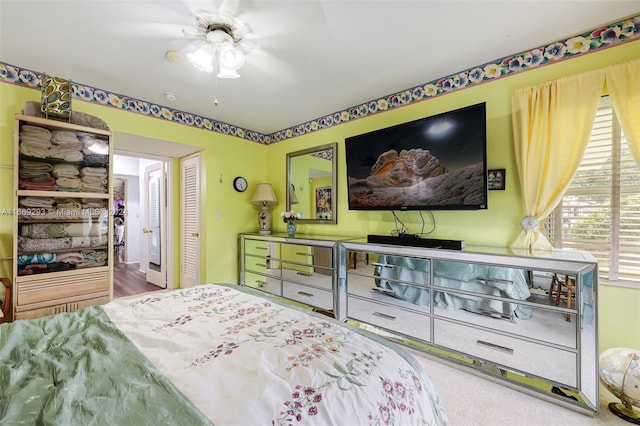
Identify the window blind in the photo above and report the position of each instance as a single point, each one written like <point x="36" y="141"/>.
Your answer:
<point x="600" y="212"/>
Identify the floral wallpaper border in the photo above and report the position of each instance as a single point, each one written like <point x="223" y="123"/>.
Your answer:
<point x="613" y="34"/>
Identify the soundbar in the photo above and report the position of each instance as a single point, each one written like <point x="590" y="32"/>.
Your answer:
<point x="413" y="241"/>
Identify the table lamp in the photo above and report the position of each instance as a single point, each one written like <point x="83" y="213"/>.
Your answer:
<point x="265" y="197"/>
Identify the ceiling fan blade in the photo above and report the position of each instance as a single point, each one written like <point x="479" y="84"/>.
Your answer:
<point x="229" y="7"/>
<point x="280" y="71"/>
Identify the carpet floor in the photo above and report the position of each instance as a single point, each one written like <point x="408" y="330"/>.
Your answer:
<point x="472" y="400"/>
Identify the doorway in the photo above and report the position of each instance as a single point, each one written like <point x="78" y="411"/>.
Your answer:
<point x="131" y="156"/>
<point x="140" y="230"/>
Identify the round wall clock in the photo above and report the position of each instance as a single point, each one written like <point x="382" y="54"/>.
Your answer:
<point x="240" y="184"/>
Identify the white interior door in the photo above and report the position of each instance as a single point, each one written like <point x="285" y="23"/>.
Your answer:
<point x="190" y="221"/>
<point x="154" y="230"/>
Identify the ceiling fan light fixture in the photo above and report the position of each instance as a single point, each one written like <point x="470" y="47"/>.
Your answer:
<point x="230" y="57"/>
<point x="202" y="58"/>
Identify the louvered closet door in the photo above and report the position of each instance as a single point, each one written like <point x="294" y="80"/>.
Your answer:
<point x="190" y="229"/>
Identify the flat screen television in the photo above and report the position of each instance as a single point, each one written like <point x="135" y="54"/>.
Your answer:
<point x="433" y="163"/>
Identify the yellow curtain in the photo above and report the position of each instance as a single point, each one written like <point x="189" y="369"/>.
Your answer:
<point x="551" y="124"/>
<point x="623" y="84"/>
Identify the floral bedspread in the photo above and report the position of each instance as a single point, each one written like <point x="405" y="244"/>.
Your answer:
<point x="245" y="359"/>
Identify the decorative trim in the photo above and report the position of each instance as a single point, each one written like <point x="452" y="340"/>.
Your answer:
<point x="604" y="37"/>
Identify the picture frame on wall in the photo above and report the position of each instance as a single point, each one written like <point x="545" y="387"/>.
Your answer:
<point x="496" y="179"/>
<point x="324" y="205"/>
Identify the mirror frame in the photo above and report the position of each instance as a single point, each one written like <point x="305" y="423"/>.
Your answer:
<point x="334" y="181"/>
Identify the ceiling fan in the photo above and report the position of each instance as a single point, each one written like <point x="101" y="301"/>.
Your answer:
<point x="224" y="42"/>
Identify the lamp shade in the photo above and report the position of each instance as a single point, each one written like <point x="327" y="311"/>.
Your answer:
<point x="264" y="195"/>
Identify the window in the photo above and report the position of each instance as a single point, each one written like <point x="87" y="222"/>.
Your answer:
<point x="600" y="212"/>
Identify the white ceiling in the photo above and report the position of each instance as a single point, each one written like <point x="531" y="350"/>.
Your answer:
<point x="314" y="57"/>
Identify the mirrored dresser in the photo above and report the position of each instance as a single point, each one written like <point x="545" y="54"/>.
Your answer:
<point x="301" y="268"/>
<point x="527" y="320"/>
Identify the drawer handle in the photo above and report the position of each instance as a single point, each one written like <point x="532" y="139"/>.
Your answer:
<point x="299" y="253"/>
<point x="261" y="283"/>
<point x="384" y="290"/>
<point x="304" y="274"/>
<point x="260" y="248"/>
<point x="384" y="265"/>
<point x="495" y="280"/>
<point x="494" y="346"/>
<point x="261" y="265"/>
<point x="385" y="316"/>
<point x="304" y="293"/>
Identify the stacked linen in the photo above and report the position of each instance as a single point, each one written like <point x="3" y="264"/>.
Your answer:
<point x="57" y="230"/>
<point x="29" y="264"/>
<point x="94" y="179"/>
<point x="65" y="146"/>
<point x="35" y="141"/>
<point x="37" y="202"/>
<point x="36" y="175"/>
<point x="67" y="177"/>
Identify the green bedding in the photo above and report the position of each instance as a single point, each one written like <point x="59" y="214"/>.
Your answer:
<point x="78" y="369"/>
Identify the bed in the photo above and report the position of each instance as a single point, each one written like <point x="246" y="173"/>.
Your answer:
<point x="213" y="354"/>
<point x="489" y="280"/>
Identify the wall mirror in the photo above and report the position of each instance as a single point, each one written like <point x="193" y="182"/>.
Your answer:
<point x="311" y="181"/>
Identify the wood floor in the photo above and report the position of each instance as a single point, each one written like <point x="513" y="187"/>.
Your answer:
<point x="127" y="278"/>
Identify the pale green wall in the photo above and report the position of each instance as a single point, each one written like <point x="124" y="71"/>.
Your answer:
<point x="229" y="157"/>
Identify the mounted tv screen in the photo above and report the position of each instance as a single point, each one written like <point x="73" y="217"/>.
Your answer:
<point x="434" y="163"/>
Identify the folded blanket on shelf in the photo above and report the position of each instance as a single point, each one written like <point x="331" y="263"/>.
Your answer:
<point x="66" y="170"/>
<point x="72" y="257"/>
<point x="51" y="244"/>
<point x="31" y="130"/>
<point x="44" y="184"/>
<point x="43" y="244"/>
<point x="34" y="150"/>
<point x="44" y="202"/>
<point x="69" y="183"/>
<point x="26" y="259"/>
<point x="95" y="159"/>
<point x="33" y="169"/>
<point x="94" y="171"/>
<point x="96" y="180"/>
<point x="68" y="204"/>
<point x="93" y="187"/>
<point x="64" y="137"/>
<point x="93" y="258"/>
<point x="65" y="154"/>
<point x="57" y="230"/>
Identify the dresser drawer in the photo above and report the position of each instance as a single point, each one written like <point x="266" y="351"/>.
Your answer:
<point x="550" y="363"/>
<point x="262" y="265"/>
<point x="393" y="293"/>
<point x="308" y="295"/>
<point x="313" y="279"/>
<point x="261" y="248"/>
<point x="546" y="325"/>
<point x="389" y="317"/>
<point x="262" y="282"/>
